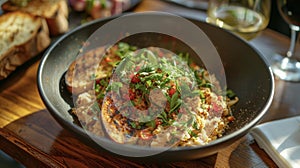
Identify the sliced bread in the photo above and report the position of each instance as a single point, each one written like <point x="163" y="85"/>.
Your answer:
<point x="23" y="36"/>
<point x="54" y="11"/>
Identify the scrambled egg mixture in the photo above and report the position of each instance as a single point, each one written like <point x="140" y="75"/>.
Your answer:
<point x="149" y="97"/>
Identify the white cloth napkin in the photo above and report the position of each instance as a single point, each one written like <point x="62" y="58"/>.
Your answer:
<point x="281" y="140"/>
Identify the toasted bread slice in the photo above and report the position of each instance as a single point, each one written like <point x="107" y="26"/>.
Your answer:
<point x="54" y="11"/>
<point x="90" y="67"/>
<point x="22" y="36"/>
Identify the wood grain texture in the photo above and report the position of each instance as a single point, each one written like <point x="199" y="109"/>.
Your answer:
<point x="31" y="135"/>
<point x="19" y="94"/>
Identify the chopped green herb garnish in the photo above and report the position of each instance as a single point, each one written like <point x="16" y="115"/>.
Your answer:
<point x="115" y="86"/>
<point x="230" y="94"/>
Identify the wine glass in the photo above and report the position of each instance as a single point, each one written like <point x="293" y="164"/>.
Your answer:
<point x="287" y="67"/>
<point x="245" y="18"/>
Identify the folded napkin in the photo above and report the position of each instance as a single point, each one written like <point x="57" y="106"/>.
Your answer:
<point x="281" y="140"/>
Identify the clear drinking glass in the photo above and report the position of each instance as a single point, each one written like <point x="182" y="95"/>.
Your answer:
<point x="287" y="67"/>
<point x="245" y="18"/>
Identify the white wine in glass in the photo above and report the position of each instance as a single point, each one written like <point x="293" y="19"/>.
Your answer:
<point x="245" y="18"/>
<point x="287" y="67"/>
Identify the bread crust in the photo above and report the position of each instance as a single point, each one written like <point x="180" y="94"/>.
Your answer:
<point x="55" y="12"/>
<point x="19" y="45"/>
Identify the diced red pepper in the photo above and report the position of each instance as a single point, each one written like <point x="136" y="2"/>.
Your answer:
<point x="135" y="79"/>
<point x="158" y="121"/>
<point x="137" y="68"/>
<point x="172" y="91"/>
<point x="160" y="54"/>
<point x="131" y="76"/>
<point x="98" y="81"/>
<point x="230" y="118"/>
<point x="107" y="59"/>
<point x="131" y="94"/>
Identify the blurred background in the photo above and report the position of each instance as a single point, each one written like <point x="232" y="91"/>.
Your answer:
<point x="276" y="21"/>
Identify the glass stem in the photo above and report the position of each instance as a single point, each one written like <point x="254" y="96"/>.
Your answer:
<point x="294" y="37"/>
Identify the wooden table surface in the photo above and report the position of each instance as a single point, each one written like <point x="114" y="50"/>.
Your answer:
<point x="32" y="136"/>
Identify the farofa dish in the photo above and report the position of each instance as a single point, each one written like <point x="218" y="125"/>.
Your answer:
<point x="150" y="97"/>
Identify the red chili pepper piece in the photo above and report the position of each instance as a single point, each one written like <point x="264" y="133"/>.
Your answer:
<point x="230" y="118"/>
<point x="131" y="94"/>
<point x="107" y="59"/>
<point x="135" y="79"/>
<point x="172" y="91"/>
<point x="158" y="121"/>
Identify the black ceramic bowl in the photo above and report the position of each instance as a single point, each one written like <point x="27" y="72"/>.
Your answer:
<point x="246" y="73"/>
